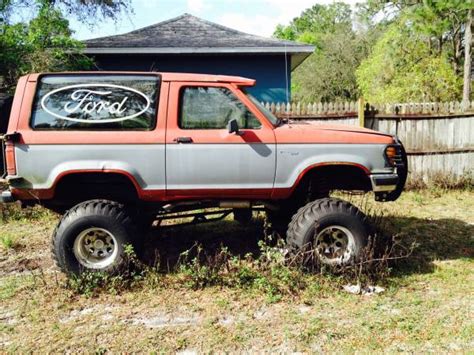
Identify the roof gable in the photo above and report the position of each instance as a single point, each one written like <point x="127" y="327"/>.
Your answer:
<point x="188" y="31"/>
<point x="188" y="34"/>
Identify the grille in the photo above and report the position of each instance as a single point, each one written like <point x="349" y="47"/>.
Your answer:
<point x="399" y="161"/>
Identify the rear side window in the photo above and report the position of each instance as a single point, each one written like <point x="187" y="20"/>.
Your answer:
<point x="96" y="102"/>
<point x="212" y="108"/>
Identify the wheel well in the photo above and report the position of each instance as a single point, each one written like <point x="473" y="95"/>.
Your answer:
<point x="78" y="187"/>
<point x="320" y="180"/>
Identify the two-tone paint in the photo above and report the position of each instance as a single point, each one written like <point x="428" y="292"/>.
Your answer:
<point x="264" y="163"/>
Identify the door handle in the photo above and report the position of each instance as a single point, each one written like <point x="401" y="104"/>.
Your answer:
<point x="183" y="140"/>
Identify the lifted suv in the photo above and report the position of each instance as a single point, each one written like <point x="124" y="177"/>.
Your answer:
<point x="116" y="151"/>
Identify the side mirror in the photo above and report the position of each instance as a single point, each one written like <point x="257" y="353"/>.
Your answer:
<point x="233" y="126"/>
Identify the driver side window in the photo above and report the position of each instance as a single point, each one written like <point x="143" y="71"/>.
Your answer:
<point x="212" y="108"/>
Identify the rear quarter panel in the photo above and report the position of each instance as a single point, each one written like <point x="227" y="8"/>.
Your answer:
<point x="42" y="157"/>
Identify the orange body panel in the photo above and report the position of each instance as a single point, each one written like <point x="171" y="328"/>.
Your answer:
<point x="189" y="77"/>
<point x="30" y="136"/>
<point x="328" y="134"/>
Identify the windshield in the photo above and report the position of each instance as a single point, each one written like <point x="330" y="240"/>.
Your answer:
<point x="268" y="114"/>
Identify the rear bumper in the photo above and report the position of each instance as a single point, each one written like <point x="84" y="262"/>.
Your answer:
<point x="384" y="182"/>
<point x="6" y="197"/>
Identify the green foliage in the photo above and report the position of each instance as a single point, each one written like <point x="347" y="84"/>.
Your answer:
<point x="402" y="67"/>
<point x="13" y="212"/>
<point x="328" y="74"/>
<point x="420" y="55"/>
<point x="316" y="22"/>
<point x="390" y="51"/>
<point x="268" y="274"/>
<point x="45" y="42"/>
<point x="86" y="11"/>
<point x="203" y="270"/>
<point x="134" y="274"/>
<point x="7" y="241"/>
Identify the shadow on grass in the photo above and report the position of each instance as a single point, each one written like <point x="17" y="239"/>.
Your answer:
<point x="435" y="239"/>
<point x="165" y="245"/>
<point x="439" y="239"/>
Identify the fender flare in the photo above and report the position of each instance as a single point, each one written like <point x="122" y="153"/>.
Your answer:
<point x="285" y="193"/>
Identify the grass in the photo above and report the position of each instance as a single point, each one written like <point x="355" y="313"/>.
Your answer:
<point x="7" y="241"/>
<point x="251" y="301"/>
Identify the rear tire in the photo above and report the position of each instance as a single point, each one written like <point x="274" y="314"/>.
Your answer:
<point x="92" y="236"/>
<point x="336" y="230"/>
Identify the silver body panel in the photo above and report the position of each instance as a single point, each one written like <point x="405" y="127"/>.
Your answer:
<point x="293" y="159"/>
<point x="40" y="165"/>
<point x="194" y="166"/>
<point x="220" y="166"/>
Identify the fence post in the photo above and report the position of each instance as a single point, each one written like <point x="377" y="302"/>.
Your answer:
<point x="361" y="112"/>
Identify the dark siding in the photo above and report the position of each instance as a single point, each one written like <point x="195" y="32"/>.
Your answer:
<point x="268" y="70"/>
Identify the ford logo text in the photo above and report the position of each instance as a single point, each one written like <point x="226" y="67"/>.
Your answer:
<point x="95" y="103"/>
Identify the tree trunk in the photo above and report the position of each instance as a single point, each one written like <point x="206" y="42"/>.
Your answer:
<point x="466" y="94"/>
<point x="457" y="49"/>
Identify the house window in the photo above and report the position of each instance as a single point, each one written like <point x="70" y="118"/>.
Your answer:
<point x="96" y="102"/>
<point x="212" y="108"/>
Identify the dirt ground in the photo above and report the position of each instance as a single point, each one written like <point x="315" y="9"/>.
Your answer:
<point x="427" y="304"/>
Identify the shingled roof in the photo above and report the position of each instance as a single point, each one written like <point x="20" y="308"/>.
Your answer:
<point x="188" y="34"/>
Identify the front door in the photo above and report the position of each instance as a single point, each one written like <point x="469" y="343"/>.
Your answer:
<point x="203" y="159"/>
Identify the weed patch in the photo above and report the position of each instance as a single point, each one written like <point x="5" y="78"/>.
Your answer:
<point x="7" y="241"/>
<point x="273" y="272"/>
<point x="441" y="181"/>
<point x="133" y="275"/>
<point x="14" y="212"/>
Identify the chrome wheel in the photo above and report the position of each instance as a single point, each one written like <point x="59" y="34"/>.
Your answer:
<point x="335" y="245"/>
<point x="95" y="248"/>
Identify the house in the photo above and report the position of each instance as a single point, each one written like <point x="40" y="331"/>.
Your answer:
<point x="191" y="44"/>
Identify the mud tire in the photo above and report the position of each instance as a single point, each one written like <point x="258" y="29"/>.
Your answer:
<point x="318" y="216"/>
<point x="110" y="216"/>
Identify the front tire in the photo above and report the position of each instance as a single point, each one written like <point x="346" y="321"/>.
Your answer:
<point x="92" y="236"/>
<point x="336" y="230"/>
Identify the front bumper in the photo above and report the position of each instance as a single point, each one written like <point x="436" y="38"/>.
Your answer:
<point x="384" y="182"/>
<point x="388" y="187"/>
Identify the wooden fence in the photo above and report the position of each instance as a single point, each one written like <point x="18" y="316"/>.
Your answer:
<point x="438" y="137"/>
<point x="325" y="109"/>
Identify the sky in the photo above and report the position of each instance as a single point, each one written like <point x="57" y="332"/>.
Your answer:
<point x="258" y="17"/>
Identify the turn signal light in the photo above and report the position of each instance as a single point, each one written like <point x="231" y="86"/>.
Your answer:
<point x="391" y="153"/>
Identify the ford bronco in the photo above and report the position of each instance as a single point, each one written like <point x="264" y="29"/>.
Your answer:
<point x="117" y="151"/>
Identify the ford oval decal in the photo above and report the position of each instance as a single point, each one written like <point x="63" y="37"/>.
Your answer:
<point x="95" y="103"/>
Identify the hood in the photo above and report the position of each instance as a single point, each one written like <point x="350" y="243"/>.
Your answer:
<point x="326" y="133"/>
